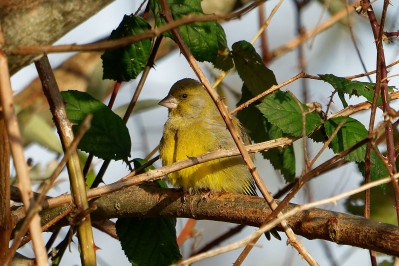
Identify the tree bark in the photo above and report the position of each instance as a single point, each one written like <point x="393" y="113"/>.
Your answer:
<point x="40" y="22"/>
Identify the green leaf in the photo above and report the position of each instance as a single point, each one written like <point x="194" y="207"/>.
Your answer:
<point x="357" y="88"/>
<point x="108" y="136"/>
<point x="201" y="37"/>
<point x="124" y="64"/>
<point x="259" y="129"/>
<point x="281" y="109"/>
<point x="351" y="133"/>
<point x="256" y="76"/>
<point x="149" y="241"/>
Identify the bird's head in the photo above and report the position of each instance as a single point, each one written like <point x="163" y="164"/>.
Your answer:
<point x="188" y="99"/>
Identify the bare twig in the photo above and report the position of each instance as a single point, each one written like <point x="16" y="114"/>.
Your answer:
<point x="187" y="232"/>
<point x="330" y="102"/>
<point x="353" y="38"/>
<point x="267" y="22"/>
<point x="235" y="230"/>
<point x="352" y="109"/>
<point x="107" y="227"/>
<point x="49" y="224"/>
<point x="5" y="192"/>
<point x="297" y="41"/>
<point x="263" y="36"/>
<point x="371" y="72"/>
<point x="270" y="90"/>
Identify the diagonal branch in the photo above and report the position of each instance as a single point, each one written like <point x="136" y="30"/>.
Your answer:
<point x="78" y="185"/>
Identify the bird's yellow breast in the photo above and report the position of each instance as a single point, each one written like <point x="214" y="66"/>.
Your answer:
<point x="183" y="139"/>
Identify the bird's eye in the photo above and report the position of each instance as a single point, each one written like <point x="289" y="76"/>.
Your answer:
<point x="184" y="96"/>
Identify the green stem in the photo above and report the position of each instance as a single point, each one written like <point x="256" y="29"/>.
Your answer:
<point x="57" y="107"/>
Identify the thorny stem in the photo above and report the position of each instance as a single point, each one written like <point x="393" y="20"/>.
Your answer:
<point x="378" y="31"/>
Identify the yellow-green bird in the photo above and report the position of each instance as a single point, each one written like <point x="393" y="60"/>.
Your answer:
<point x="194" y="127"/>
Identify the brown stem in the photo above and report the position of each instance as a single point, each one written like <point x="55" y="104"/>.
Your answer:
<point x="5" y="214"/>
<point x="300" y="39"/>
<point x="263" y="36"/>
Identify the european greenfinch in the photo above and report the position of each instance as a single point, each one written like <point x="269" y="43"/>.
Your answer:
<point x="194" y="127"/>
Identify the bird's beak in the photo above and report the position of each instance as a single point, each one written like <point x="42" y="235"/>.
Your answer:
<point x="169" y="102"/>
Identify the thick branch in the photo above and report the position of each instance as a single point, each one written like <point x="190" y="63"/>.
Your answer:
<point x="151" y="201"/>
